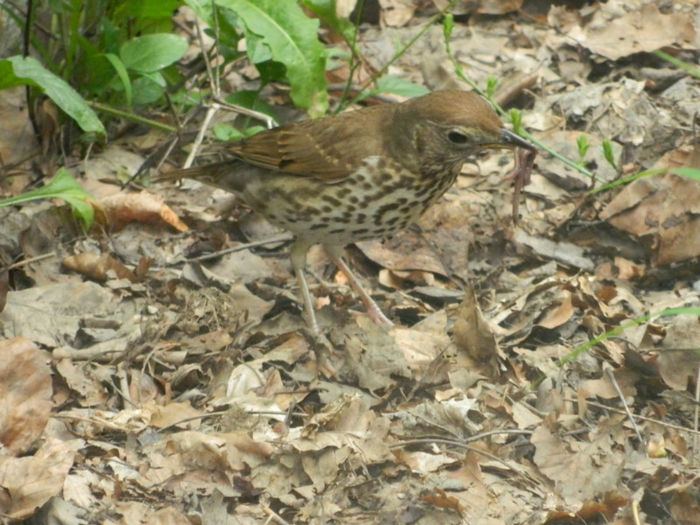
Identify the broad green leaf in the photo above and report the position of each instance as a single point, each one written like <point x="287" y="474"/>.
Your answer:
<point x="226" y="132"/>
<point x="8" y="78"/>
<point x="251" y="100"/>
<point x="150" y="8"/>
<point x="19" y="70"/>
<point x="148" y="89"/>
<point x="292" y="39"/>
<point x="62" y="186"/>
<point x="150" y="53"/>
<point x="400" y="86"/>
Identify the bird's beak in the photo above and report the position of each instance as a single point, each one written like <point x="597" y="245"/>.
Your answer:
<point x="511" y="140"/>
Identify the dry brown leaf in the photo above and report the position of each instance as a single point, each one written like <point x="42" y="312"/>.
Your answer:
<point x="30" y="481"/>
<point x="646" y="29"/>
<point x="665" y="207"/>
<point x="472" y="333"/>
<point x="440" y="499"/>
<point x="403" y="252"/>
<point x="78" y="379"/>
<point x="166" y="516"/>
<point x="396" y="13"/>
<point x="558" y="314"/>
<point x="25" y="394"/>
<point x="96" y="266"/>
<point x="487" y="7"/>
<point x="593" y="463"/>
<point x="124" y="208"/>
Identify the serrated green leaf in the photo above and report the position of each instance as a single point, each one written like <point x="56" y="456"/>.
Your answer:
<point x="292" y="39"/>
<point x="17" y="70"/>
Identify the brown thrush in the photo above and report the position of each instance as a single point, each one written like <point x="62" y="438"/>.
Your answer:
<point x="358" y="175"/>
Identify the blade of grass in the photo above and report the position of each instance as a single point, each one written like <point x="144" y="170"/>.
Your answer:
<point x="616" y="331"/>
<point x="691" y="173"/>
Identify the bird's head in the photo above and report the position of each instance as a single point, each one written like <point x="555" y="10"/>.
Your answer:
<point x="446" y="127"/>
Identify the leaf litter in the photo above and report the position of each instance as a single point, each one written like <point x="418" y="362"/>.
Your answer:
<point x="142" y="385"/>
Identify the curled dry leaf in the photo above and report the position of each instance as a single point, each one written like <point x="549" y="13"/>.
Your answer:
<point x="472" y="333"/>
<point x="97" y="266"/>
<point x="123" y="208"/>
<point x="30" y="481"/>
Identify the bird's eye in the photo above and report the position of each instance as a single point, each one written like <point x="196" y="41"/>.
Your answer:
<point x="455" y="137"/>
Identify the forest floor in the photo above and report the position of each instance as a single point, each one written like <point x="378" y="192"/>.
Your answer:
<point x="139" y="384"/>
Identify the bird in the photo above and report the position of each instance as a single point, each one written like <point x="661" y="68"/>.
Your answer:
<point x="357" y="175"/>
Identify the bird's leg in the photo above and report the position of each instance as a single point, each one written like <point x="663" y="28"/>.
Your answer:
<point x="298" y="257"/>
<point x="372" y="308"/>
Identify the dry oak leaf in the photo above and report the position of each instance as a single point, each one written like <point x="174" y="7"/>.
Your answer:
<point x="645" y="30"/>
<point x="25" y="394"/>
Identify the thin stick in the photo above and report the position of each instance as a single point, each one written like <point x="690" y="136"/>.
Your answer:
<point x="609" y="372"/>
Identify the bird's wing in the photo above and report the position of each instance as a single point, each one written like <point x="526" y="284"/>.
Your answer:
<point x="328" y="149"/>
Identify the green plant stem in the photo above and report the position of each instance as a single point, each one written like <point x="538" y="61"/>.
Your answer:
<point x="398" y="55"/>
<point x="131" y="116"/>
<point x="616" y="331"/>
<point x="355" y="60"/>
<point x="691" y="173"/>
<point x="460" y="73"/>
<point x="693" y="71"/>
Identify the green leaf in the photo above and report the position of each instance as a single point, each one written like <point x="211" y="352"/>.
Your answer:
<point x="253" y="130"/>
<point x="251" y="100"/>
<point x="292" y="39"/>
<point x="226" y="132"/>
<point x="17" y="70"/>
<point x="62" y="186"/>
<point x="120" y="68"/>
<point x="447" y="26"/>
<point x="148" y="88"/>
<point x="396" y="85"/>
<point x="691" y="173"/>
<point x="491" y="83"/>
<point x="150" y="8"/>
<point x="582" y="145"/>
<point x="400" y="86"/>
<point x="608" y="153"/>
<point x="516" y="118"/>
<point x="150" y="53"/>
